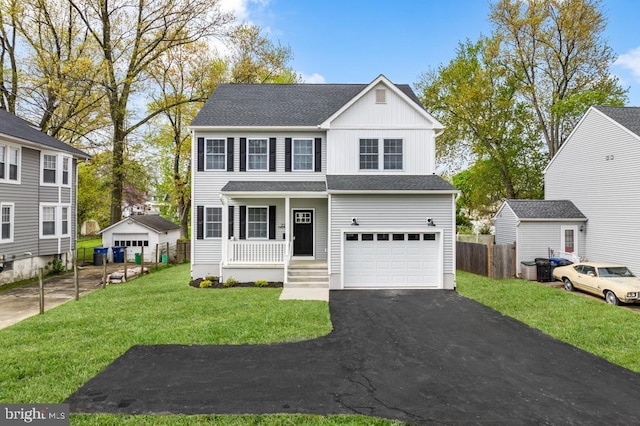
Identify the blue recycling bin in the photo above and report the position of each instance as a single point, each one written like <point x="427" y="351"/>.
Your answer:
<point x="97" y="254"/>
<point x="118" y="254"/>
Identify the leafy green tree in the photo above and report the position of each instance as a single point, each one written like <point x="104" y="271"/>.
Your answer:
<point x="256" y="59"/>
<point x="131" y="35"/>
<point x="557" y="51"/>
<point x="487" y="125"/>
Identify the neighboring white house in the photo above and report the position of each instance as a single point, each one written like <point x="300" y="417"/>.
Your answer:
<point x="539" y="225"/>
<point x="598" y="169"/>
<point x="142" y="232"/>
<point x="341" y="175"/>
<point x="38" y="199"/>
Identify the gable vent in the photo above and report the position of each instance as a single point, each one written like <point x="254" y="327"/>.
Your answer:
<point x="381" y="96"/>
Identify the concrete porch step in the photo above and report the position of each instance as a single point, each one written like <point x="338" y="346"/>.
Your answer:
<point x="310" y="284"/>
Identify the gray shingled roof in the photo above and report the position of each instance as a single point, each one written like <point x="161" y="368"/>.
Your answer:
<point x="279" y="104"/>
<point x="628" y="117"/>
<point x="155" y="222"/>
<point x="266" y="186"/>
<point x="12" y="125"/>
<point x="387" y="183"/>
<point x="545" y="209"/>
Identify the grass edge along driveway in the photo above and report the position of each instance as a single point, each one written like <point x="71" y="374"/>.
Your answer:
<point x="46" y="358"/>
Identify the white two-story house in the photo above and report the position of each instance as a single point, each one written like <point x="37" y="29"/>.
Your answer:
<point x="340" y="176"/>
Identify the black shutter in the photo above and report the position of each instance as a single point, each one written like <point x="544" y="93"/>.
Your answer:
<point x="272" y="154"/>
<point x="229" y="154"/>
<point x="199" y="222"/>
<point x="230" y="219"/>
<point x="201" y="154"/>
<point x="318" y="147"/>
<point x="287" y="154"/>
<point x="243" y="154"/>
<point x="272" y="222"/>
<point x="243" y="222"/>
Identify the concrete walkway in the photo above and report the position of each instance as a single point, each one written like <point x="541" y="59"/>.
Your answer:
<point x="23" y="302"/>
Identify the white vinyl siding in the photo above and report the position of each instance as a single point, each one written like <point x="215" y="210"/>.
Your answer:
<point x="536" y="238"/>
<point x="597" y="169"/>
<point x="505" y="223"/>
<point x="215" y="154"/>
<point x="302" y="154"/>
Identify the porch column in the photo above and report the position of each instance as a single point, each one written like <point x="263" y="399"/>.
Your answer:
<point x="287" y="255"/>
<point x="225" y="229"/>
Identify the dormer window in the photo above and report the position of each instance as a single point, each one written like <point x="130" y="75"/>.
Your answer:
<point x="381" y="96"/>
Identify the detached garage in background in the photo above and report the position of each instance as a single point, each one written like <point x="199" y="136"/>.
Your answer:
<point x="144" y="231"/>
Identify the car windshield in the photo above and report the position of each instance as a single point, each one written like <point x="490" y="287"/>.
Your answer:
<point x="614" y="271"/>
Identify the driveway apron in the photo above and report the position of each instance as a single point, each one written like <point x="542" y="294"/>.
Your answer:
<point x="417" y="356"/>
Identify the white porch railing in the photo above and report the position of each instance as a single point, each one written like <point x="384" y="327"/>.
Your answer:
<point x="257" y="251"/>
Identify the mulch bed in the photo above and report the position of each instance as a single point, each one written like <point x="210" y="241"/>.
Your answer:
<point x="216" y="284"/>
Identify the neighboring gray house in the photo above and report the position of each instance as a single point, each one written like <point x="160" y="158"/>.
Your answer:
<point x="339" y="176"/>
<point x="598" y="169"/>
<point x="142" y="232"/>
<point x="539" y="225"/>
<point x="38" y="188"/>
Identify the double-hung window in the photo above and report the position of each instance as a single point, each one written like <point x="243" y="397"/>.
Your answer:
<point x="49" y="168"/>
<point x="368" y="154"/>
<point x="213" y="222"/>
<point x="65" y="220"/>
<point x="392" y="152"/>
<point x="257" y="154"/>
<point x="6" y="222"/>
<point x="303" y="154"/>
<point x="215" y="154"/>
<point x="48" y="219"/>
<point x="66" y="161"/>
<point x="9" y="163"/>
<point x="257" y="222"/>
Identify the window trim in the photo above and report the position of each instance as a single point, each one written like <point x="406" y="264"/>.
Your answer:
<point x="58" y="207"/>
<point x="377" y="154"/>
<point x="311" y="154"/>
<point x="223" y="154"/>
<point x="8" y="147"/>
<point x="393" y="155"/>
<point x="266" y="155"/>
<point x="266" y="237"/>
<point x="206" y="223"/>
<point x="59" y="170"/>
<point x="381" y="155"/>
<point x="12" y="222"/>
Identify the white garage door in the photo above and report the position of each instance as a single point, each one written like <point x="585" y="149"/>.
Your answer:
<point x="384" y="259"/>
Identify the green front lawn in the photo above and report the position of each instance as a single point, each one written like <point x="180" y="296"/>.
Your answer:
<point x="610" y="332"/>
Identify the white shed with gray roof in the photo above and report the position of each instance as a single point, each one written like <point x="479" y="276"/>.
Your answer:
<point x="537" y="226"/>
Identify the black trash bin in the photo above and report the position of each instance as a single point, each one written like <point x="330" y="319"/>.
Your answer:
<point x="118" y="254"/>
<point x="97" y="255"/>
<point x="544" y="270"/>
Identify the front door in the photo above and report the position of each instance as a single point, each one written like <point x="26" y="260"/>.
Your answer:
<point x="303" y="232"/>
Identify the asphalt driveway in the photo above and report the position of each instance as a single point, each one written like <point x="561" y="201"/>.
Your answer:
<point x="417" y="356"/>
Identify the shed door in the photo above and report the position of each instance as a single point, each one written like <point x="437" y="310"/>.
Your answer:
<point x="390" y="260"/>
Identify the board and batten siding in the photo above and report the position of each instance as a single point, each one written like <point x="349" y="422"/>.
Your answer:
<point x="598" y="170"/>
<point x="418" y="150"/>
<point x="389" y="212"/>
<point x="505" y="223"/>
<point x="395" y="112"/>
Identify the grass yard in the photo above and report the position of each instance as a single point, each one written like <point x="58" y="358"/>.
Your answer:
<point x="46" y="358"/>
<point x="85" y="247"/>
<point x="610" y="332"/>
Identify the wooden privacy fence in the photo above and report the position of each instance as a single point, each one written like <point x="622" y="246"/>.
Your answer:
<point x="493" y="260"/>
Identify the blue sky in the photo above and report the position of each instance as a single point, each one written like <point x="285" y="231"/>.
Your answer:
<point x="353" y="41"/>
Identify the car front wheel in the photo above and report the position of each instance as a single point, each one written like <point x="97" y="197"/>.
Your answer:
<point x="611" y="298"/>
<point x="568" y="285"/>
